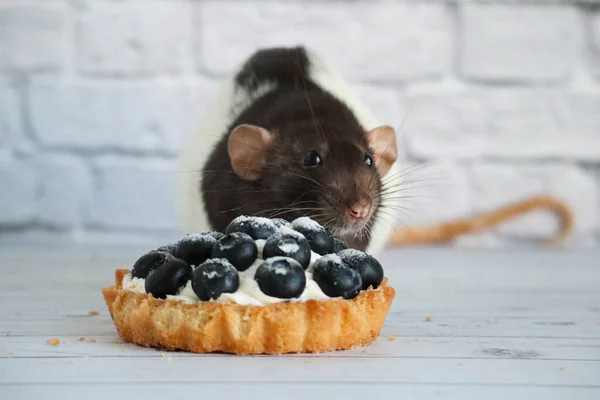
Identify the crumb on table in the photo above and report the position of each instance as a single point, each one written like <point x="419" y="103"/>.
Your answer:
<point x="93" y="313"/>
<point x="391" y="338"/>
<point x="53" y="342"/>
<point x="416" y="339"/>
<point x="81" y="339"/>
<point x="562" y="369"/>
<point x="92" y="340"/>
<point x="10" y="353"/>
<point x="427" y="319"/>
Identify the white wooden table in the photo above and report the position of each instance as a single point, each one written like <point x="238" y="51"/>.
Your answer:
<point x="464" y="325"/>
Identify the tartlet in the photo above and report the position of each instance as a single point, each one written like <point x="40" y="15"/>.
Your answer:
<point x="297" y="324"/>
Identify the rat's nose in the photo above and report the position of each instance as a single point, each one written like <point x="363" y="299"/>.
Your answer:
<point x="359" y="209"/>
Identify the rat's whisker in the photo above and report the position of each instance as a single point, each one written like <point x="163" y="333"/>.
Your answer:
<point x="394" y="216"/>
<point x="397" y="179"/>
<point x="292" y="209"/>
<point x="392" y="201"/>
<point x="400" y="188"/>
<point x="328" y="223"/>
<point x="401" y="208"/>
<point x="284" y="210"/>
<point x="307" y="178"/>
<point x="412" y="169"/>
<point x="246" y="205"/>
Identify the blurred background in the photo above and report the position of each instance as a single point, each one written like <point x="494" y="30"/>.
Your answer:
<point x="494" y="100"/>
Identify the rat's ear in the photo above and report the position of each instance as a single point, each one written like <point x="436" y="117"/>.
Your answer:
<point x="248" y="147"/>
<point x="382" y="140"/>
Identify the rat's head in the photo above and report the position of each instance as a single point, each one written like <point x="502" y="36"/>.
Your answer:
<point x="331" y="176"/>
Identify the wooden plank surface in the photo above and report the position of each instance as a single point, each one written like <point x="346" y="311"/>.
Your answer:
<point x="465" y="324"/>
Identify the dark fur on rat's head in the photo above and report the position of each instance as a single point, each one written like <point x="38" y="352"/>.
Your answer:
<point x="298" y="151"/>
<point x="320" y="172"/>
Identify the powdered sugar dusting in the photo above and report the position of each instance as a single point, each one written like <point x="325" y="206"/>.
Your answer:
<point x="270" y="263"/>
<point x="168" y="248"/>
<point x="333" y="257"/>
<point x="192" y="238"/>
<point x="211" y="274"/>
<point x="306" y="224"/>
<point x="254" y="223"/>
<point x="289" y="248"/>
<point x="223" y="245"/>
<point x="279" y="222"/>
<point x="198" y="237"/>
<point x="280" y="265"/>
<point x="221" y="261"/>
<point x="289" y="231"/>
<point x="280" y="270"/>
<point x="254" y="220"/>
<point x="352" y="255"/>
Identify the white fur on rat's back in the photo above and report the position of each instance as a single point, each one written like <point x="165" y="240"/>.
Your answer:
<point x="232" y="100"/>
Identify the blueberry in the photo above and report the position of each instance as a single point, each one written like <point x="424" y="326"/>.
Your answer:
<point x="288" y="243"/>
<point x="168" y="278"/>
<point x="149" y="261"/>
<point x="279" y="222"/>
<point x="213" y="278"/>
<point x="370" y="270"/>
<point x="336" y="278"/>
<point x="339" y="245"/>
<point x="320" y="239"/>
<point x="281" y="277"/>
<point x="217" y="235"/>
<point x="194" y="248"/>
<point x="170" y="248"/>
<point x="256" y="227"/>
<point x="238" y="248"/>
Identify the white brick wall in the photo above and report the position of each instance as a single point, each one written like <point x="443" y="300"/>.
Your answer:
<point x="11" y="130"/>
<point x="356" y="36"/>
<point x="506" y="123"/>
<point x="532" y="42"/>
<point x="595" y="42"/>
<point x="32" y="37"/>
<point x="135" y="38"/>
<point x="145" y="117"/>
<point x="132" y="194"/>
<point x="18" y="194"/>
<point x="501" y="99"/>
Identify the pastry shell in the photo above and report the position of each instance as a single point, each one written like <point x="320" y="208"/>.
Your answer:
<point x="288" y="327"/>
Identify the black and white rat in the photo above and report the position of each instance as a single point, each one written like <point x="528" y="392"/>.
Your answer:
<point x="289" y="138"/>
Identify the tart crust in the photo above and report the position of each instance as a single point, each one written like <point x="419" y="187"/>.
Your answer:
<point x="290" y="327"/>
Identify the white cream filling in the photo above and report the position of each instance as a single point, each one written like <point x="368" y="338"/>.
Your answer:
<point x="248" y="293"/>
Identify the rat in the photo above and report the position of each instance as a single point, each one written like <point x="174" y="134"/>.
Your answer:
<point x="288" y="138"/>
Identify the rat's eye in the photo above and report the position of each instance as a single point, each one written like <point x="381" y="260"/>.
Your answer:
<point x="312" y="159"/>
<point x="368" y="160"/>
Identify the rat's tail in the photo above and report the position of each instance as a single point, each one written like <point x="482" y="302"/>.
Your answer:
<point x="446" y="231"/>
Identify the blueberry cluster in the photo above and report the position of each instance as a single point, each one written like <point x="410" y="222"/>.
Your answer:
<point x="212" y="261"/>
